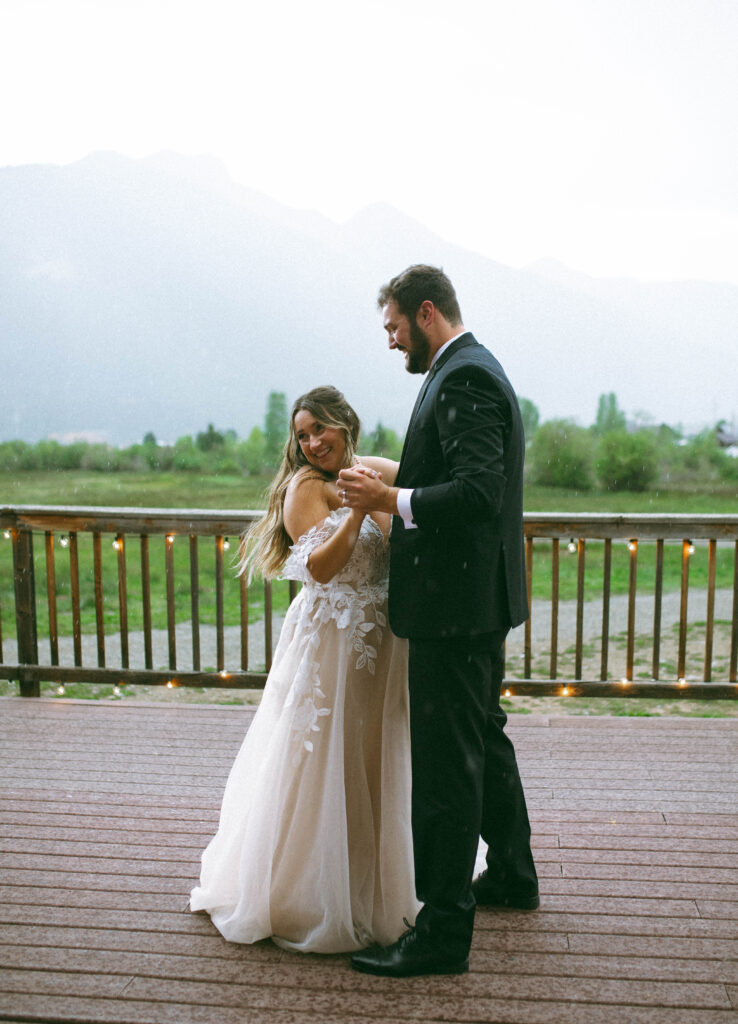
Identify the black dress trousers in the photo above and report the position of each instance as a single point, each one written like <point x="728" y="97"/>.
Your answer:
<point x="465" y="782"/>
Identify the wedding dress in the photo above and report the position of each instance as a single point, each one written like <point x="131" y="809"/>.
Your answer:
<point x="314" y="845"/>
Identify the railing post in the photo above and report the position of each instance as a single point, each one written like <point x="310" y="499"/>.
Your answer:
<point x="25" y="609"/>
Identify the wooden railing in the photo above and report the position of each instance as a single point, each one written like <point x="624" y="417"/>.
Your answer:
<point x="97" y="542"/>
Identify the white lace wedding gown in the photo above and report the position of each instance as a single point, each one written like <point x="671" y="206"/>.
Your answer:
<point x="314" y="845"/>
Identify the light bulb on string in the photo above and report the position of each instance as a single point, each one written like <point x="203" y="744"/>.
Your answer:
<point x="633" y="545"/>
<point x="64" y="540"/>
<point x="118" y="543"/>
<point x="226" y="544"/>
<point x="689" y="547"/>
<point x="572" y="546"/>
<point x="60" y="689"/>
<point x="7" y="534"/>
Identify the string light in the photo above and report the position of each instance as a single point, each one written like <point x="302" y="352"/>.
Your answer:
<point x="508" y="693"/>
<point x="682" y="681"/>
<point x="118" y="543"/>
<point x="170" y="538"/>
<point x="632" y="545"/>
<point x="624" y="681"/>
<point x="64" y="540"/>
<point x="60" y="689"/>
<point x="170" y="684"/>
<point x="572" y="545"/>
<point x="690" y="547"/>
<point x="226" y="544"/>
<point x="223" y="674"/>
<point x="565" y="692"/>
<point x="7" y="534"/>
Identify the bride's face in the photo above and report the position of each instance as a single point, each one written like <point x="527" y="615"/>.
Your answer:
<point x="322" y="446"/>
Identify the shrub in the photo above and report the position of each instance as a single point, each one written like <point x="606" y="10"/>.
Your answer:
<point x="561" y="455"/>
<point x="530" y="417"/>
<point x="627" y="462"/>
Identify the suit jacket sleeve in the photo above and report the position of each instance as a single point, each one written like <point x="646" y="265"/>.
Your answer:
<point x="472" y="416"/>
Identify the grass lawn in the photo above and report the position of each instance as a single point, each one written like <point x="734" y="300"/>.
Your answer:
<point x="184" y="490"/>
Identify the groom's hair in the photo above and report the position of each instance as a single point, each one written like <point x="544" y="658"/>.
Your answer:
<point x="416" y="284"/>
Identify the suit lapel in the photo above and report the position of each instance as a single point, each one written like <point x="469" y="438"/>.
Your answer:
<point x="461" y="342"/>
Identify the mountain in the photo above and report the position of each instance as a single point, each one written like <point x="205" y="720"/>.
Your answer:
<point x="158" y="294"/>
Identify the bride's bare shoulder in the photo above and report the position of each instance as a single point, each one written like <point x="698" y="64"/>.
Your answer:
<point x="306" y="501"/>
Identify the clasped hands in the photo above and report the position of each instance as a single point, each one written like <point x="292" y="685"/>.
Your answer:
<point x="362" y="488"/>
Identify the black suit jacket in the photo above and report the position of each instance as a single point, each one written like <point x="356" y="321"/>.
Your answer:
<point x="462" y="571"/>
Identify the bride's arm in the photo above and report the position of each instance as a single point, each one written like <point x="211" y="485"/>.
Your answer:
<point x="305" y="506"/>
<point x="386" y="468"/>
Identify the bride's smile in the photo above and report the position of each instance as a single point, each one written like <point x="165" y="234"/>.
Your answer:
<point x="322" y="446"/>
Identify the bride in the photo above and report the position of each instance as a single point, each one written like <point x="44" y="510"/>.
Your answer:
<point x="314" y="845"/>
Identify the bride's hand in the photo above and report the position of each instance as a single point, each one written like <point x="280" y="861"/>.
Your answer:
<point x="362" y="488"/>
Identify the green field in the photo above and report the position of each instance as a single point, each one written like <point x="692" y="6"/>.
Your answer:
<point x="184" y="490"/>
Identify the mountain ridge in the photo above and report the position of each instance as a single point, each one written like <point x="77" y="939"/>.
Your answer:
<point x="159" y="294"/>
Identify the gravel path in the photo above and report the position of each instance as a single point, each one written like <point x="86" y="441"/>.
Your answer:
<point x="540" y="631"/>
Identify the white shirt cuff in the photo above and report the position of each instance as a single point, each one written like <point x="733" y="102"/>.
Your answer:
<point x="403" y="508"/>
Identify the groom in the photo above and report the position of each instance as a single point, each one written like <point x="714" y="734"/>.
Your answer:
<point x="457" y="585"/>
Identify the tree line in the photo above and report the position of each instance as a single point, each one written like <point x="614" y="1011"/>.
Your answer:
<point x="616" y="457"/>
<point x="209" y="451"/>
<point x="560" y="453"/>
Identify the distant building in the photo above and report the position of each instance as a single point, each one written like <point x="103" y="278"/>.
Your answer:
<point x="726" y="437"/>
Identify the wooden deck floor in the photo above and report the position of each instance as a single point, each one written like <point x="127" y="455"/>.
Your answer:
<point x="106" y="808"/>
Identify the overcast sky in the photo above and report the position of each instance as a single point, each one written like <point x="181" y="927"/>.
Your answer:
<point x="599" y="132"/>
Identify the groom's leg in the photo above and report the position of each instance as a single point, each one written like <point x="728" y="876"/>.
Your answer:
<point x="505" y="826"/>
<point x="450" y="692"/>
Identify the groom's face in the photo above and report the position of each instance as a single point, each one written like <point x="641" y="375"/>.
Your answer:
<point x="407" y="336"/>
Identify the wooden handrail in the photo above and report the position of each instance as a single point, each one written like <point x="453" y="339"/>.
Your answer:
<point x="145" y="525"/>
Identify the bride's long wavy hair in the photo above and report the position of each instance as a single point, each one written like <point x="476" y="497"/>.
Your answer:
<point x="265" y="546"/>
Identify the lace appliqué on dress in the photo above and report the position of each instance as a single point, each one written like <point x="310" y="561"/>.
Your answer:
<point x="351" y="599"/>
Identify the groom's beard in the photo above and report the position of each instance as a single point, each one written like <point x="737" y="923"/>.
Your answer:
<point x="418" y="357"/>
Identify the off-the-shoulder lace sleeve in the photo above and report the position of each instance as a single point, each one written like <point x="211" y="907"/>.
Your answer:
<point x="295" y="568"/>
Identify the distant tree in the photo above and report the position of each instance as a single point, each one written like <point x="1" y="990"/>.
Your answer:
<point x="212" y="440"/>
<point x="609" y="417"/>
<point x="530" y="415"/>
<point x="560" y="455"/>
<point x="384" y="441"/>
<point x="15" y="455"/>
<point x="251" y="453"/>
<point x="187" y="456"/>
<point x="149" y="453"/>
<point x="627" y="462"/>
<point x="276" y="426"/>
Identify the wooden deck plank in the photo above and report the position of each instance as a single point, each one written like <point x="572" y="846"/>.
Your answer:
<point x="105" y="809"/>
<point x="316" y="995"/>
<point x="254" y="971"/>
<point x="61" y="1010"/>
